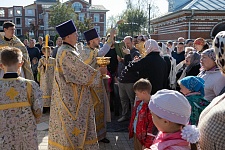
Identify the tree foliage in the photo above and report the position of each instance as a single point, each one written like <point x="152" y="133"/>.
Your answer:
<point x="144" y="5"/>
<point x="136" y="17"/>
<point x="135" y="20"/>
<point x="111" y="21"/>
<point x="84" y="25"/>
<point x="60" y="13"/>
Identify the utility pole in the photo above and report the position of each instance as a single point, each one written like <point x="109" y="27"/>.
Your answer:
<point x="149" y="13"/>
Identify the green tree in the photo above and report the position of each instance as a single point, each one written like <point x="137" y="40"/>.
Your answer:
<point x="135" y="20"/>
<point x="111" y="21"/>
<point x="84" y="25"/>
<point x="60" y="13"/>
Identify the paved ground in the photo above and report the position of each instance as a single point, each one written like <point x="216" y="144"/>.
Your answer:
<point x="117" y="134"/>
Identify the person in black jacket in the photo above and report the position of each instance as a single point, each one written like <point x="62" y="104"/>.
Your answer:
<point x="40" y="44"/>
<point x="127" y="79"/>
<point x="112" y="71"/>
<point x="152" y="67"/>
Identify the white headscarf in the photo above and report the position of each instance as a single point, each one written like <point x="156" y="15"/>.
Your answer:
<point x="151" y="46"/>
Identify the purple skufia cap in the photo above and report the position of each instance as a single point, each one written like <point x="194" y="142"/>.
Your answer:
<point x="91" y="34"/>
<point x="171" y="105"/>
<point x="66" y="28"/>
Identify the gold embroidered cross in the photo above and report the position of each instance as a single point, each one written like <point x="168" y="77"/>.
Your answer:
<point x="76" y="131"/>
<point x="12" y="93"/>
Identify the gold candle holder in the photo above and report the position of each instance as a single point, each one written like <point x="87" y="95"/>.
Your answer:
<point x="103" y="62"/>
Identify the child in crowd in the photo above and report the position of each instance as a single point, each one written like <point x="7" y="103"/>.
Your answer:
<point x="170" y="114"/>
<point x="193" y="89"/>
<point x="141" y="119"/>
<point x="34" y="66"/>
<point x="46" y="67"/>
<point x="20" y="104"/>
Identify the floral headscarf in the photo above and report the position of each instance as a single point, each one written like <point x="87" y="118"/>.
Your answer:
<point x="210" y="53"/>
<point x="219" y="47"/>
<point x="151" y="46"/>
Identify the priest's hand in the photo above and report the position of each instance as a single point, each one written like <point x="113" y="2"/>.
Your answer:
<point x="112" y="33"/>
<point x="110" y="40"/>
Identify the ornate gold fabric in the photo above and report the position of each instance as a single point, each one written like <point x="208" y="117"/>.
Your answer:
<point x="72" y="122"/>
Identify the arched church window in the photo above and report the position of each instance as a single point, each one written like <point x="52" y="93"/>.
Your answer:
<point x="77" y="6"/>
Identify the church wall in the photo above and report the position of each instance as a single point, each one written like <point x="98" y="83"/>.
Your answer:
<point x="201" y="25"/>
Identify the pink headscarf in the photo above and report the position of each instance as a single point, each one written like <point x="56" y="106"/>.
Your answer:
<point x="151" y="46"/>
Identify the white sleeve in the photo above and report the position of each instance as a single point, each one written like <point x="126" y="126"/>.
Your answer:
<point x="104" y="50"/>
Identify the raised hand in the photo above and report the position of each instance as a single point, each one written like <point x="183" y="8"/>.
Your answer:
<point x="126" y="50"/>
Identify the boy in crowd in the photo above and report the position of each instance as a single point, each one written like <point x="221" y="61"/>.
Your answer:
<point x="141" y="125"/>
<point x="46" y="69"/>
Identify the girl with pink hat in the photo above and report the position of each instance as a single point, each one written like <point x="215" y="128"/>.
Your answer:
<point x="171" y="113"/>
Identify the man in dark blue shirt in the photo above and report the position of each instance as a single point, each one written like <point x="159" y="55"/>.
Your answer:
<point x="33" y="51"/>
<point x="179" y="53"/>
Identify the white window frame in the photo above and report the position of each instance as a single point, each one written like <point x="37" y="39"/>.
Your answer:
<point x="2" y="13"/>
<point x="20" y="32"/>
<point x="77" y="6"/>
<point x="98" y="29"/>
<point x="28" y="20"/>
<point x="81" y="17"/>
<point x="17" y="14"/>
<point x="10" y="12"/>
<point x="30" y="12"/>
<point x="96" y="17"/>
<point x="20" y="21"/>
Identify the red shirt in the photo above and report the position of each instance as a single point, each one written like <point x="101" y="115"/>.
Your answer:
<point x="144" y="124"/>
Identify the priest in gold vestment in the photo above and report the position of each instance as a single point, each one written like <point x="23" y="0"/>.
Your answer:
<point x="72" y="117"/>
<point x="89" y="54"/>
<point x="8" y="38"/>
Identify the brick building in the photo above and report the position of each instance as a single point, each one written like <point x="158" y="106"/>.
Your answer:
<point x="190" y="19"/>
<point x="33" y="19"/>
<point x="96" y="12"/>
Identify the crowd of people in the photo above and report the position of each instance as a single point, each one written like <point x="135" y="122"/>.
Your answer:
<point x="172" y="92"/>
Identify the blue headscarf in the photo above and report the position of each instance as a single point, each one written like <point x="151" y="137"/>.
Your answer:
<point x="194" y="84"/>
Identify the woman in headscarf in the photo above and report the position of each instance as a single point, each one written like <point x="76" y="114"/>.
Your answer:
<point x="171" y="65"/>
<point x="212" y="120"/>
<point x="214" y="81"/>
<point x="190" y="68"/>
<point x="151" y="67"/>
<point x="186" y="51"/>
<point x="193" y="89"/>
